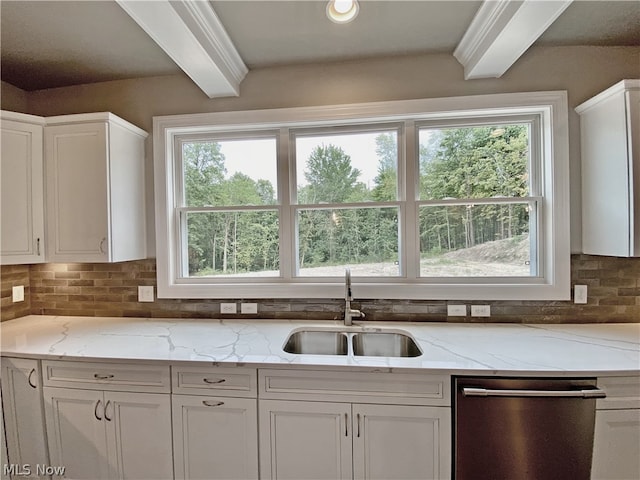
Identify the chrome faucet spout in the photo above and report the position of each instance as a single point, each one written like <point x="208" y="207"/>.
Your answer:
<point x="349" y="313"/>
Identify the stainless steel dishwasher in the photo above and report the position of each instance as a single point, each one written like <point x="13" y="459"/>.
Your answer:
<point x="517" y="429"/>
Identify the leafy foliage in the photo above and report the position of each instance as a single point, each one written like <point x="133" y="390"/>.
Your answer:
<point x="462" y="163"/>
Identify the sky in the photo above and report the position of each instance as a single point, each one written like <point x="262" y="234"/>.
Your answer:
<point x="361" y="147"/>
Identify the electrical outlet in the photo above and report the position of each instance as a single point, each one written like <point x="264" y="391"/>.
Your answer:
<point x="580" y="294"/>
<point x="480" y="310"/>
<point x="17" y="293"/>
<point x="228" y="308"/>
<point x="145" y="293"/>
<point x="456" y="310"/>
<point x="248" y="308"/>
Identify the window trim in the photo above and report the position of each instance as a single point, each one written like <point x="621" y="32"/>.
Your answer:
<point x="553" y="111"/>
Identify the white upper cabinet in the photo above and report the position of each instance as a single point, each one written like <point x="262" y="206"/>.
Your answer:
<point x="95" y="189"/>
<point x="22" y="189"/>
<point x="610" y="144"/>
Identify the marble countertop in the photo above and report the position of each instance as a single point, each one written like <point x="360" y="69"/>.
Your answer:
<point x="479" y="349"/>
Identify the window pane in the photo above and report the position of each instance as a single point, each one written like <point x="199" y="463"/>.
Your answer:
<point x="233" y="243"/>
<point x="230" y="172"/>
<point x="350" y="167"/>
<point x="364" y="239"/>
<point x="474" y="162"/>
<point x="489" y="240"/>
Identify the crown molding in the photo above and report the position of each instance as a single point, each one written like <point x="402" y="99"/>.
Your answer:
<point x="193" y="36"/>
<point x="501" y="32"/>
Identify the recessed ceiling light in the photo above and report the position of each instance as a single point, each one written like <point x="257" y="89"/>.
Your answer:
<point x="342" y="11"/>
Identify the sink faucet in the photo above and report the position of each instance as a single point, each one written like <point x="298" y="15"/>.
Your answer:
<point x="349" y="314"/>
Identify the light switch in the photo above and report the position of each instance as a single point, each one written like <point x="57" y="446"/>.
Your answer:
<point x="145" y="293"/>
<point x="248" y="308"/>
<point x="17" y="293"/>
<point x="580" y="294"/>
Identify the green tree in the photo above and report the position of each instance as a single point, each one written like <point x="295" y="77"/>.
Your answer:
<point x="386" y="182"/>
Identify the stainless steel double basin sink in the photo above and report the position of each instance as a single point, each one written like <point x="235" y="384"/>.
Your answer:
<point x="374" y="342"/>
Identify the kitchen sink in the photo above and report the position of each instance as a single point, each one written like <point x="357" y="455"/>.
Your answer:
<point x="337" y="342"/>
<point x="384" y="344"/>
<point x="312" y="342"/>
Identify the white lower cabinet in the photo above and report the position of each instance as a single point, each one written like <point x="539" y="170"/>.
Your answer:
<point x="305" y="440"/>
<point x="23" y="413"/>
<point x="215" y="423"/>
<point x="401" y="442"/>
<point x="322" y="440"/>
<point x="108" y="421"/>
<point x="215" y="438"/>
<point x="362" y="438"/>
<point x="616" y="441"/>
<point x="109" y="435"/>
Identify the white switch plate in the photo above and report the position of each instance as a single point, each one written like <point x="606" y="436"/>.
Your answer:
<point x="456" y="310"/>
<point x="145" y="293"/>
<point x="17" y="293"/>
<point x="228" y="308"/>
<point x="580" y="294"/>
<point x="480" y="310"/>
<point x="248" y="308"/>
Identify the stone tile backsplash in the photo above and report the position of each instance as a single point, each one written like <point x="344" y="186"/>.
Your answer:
<point x="112" y="290"/>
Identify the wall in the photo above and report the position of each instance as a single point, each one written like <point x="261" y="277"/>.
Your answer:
<point x="12" y="98"/>
<point x="582" y="71"/>
<point x="10" y="276"/>
<point x="112" y="290"/>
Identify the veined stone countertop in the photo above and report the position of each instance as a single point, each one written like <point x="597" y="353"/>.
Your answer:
<point x="462" y="348"/>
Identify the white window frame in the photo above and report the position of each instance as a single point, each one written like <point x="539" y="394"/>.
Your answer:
<point x="554" y="245"/>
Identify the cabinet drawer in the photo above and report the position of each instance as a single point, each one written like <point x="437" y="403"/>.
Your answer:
<point x="231" y="382"/>
<point x="366" y="387"/>
<point x="107" y="376"/>
<point x="622" y="392"/>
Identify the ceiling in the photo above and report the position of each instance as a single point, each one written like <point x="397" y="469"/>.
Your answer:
<point x="46" y="44"/>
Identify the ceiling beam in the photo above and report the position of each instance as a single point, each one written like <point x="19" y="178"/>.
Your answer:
<point x="501" y="32"/>
<point x="193" y="36"/>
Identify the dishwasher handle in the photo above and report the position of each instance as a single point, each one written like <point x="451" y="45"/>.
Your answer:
<point x="584" y="393"/>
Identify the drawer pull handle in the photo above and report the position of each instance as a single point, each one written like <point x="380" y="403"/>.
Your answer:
<point x="95" y="411"/>
<point x="98" y="376"/>
<point x="211" y="382"/>
<point x="33" y="370"/>
<point x="108" y="419"/>
<point x="208" y="403"/>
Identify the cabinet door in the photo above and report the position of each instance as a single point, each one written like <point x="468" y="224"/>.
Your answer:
<point x="23" y="412"/>
<point x="401" y="442"/>
<point x="138" y="427"/>
<point x="22" y="193"/>
<point x="616" y="445"/>
<point x="215" y="438"/>
<point x="305" y="440"/>
<point x="77" y="173"/>
<point x="76" y="432"/>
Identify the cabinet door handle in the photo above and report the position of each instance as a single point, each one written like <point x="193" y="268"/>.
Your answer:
<point x="95" y="410"/>
<point x="33" y="370"/>
<point x="108" y="419"/>
<point x="218" y="380"/>
<point x="358" y="424"/>
<point x="99" y="376"/>
<point x="209" y="403"/>
<point x="101" y="245"/>
<point x="346" y="424"/>
<point x="38" y="246"/>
